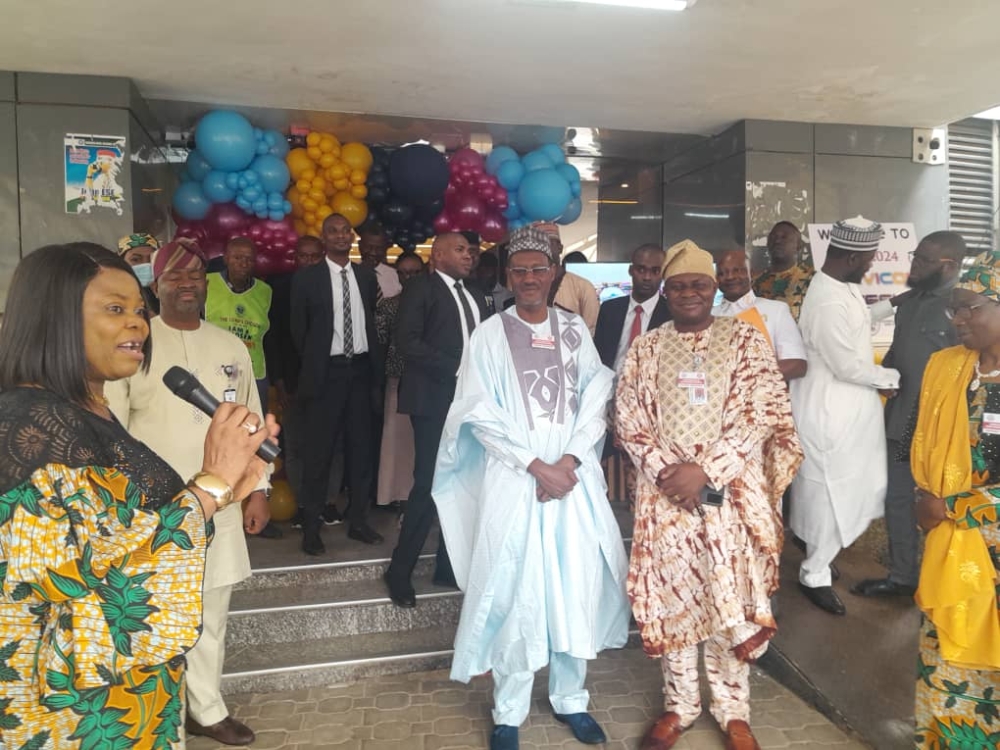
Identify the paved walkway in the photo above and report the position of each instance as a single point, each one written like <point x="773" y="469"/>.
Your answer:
<point x="425" y="711"/>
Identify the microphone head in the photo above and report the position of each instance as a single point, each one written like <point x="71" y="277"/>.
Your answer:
<point x="181" y="382"/>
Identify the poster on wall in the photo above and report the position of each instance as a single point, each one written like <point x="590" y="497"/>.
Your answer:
<point x="93" y="163"/>
<point x="888" y="273"/>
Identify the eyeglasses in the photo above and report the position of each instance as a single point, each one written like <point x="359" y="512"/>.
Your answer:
<point x="964" y="311"/>
<point x="519" y="272"/>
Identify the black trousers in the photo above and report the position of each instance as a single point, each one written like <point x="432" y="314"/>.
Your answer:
<point x="420" y="512"/>
<point x="343" y="406"/>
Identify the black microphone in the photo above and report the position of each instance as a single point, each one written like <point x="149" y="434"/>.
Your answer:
<point x="186" y="386"/>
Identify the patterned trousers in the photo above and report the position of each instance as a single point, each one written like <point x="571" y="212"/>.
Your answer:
<point x="728" y="678"/>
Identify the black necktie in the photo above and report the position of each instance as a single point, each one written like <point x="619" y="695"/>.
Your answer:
<point x="470" y="320"/>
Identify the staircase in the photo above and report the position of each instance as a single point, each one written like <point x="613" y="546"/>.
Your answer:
<point x="298" y="623"/>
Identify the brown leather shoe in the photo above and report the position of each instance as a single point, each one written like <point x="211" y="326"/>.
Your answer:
<point x="229" y="731"/>
<point x="739" y="736"/>
<point x="664" y="733"/>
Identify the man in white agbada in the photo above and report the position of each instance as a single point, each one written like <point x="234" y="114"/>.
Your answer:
<point x="840" y="487"/>
<point x="523" y="504"/>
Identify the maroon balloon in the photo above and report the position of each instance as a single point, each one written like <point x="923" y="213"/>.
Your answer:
<point x="468" y="158"/>
<point x="266" y="265"/>
<point x="468" y="212"/>
<point x="255" y="232"/>
<point x="212" y="247"/>
<point x="442" y="223"/>
<point x="192" y="230"/>
<point x="493" y="227"/>
<point x="225" y="220"/>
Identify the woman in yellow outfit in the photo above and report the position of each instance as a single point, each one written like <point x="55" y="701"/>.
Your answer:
<point x="102" y="545"/>
<point x="955" y="459"/>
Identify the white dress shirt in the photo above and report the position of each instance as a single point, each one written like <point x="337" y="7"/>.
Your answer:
<point x="461" y="313"/>
<point x="357" y="310"/>
<point x="781" y="327"/>
<point x="388" y="280"/>
<point x="647" y="312"/>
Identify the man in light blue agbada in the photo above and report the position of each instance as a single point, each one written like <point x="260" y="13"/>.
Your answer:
<point x="523" y="504"/>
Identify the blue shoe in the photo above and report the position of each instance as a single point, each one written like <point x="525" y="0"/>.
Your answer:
<point x="504" y="737"/>
<point x="584" y="728"/>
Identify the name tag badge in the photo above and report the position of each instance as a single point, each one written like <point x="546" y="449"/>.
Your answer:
<point x="698" y="396"/>
<point x="691" y="379"/>
<point x="991" y="424"/>
<point x="543" y="342"/>
<point x="229" y="395"/>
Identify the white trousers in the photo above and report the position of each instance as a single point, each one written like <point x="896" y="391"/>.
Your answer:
<point x="204" y="670"/>
<point x="728" y="678"/>
<point x="815" y="569"/>
<point x="512" y="693"/>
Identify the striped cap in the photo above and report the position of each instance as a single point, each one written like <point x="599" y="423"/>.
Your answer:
<point x="181" y="253"/>
<point x="859" y="234"/>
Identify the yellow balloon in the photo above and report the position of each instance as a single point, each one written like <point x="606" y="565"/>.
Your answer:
<point x="278" y="463"/>
<point x="322" y="212"/>
<point x="283" y="506"/>
<point x="318" y="183"/>
<point x="317" y="195"/>
<point x="356" y="156"/>
<point x="358" y="177"/>
<point x="343" y="184"/>
<point x="338" y="172"/>
<point x="313" y="139"/>
<point x="329" y="190"/>
<point x="300" y="227"/>
<point x="351" y="208"/>
<point x="303" y="186"/>
<point x="327" y="160"/>
<point x="310" y="203"/>
<point x="309" y="174"/>
<point x="314" y="153"/>
<point x="298" y="161"/>
<point x="309" y="218"/>
<point x="326" y="144"/>
<point x="293" y="194"/>
<point x="359" y="191"/>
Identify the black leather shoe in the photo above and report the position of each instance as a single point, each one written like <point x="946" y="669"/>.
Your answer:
<point x="312" y="543"/>
<point x="229" y="731"/>
<point x="584" y="728"/>
<point x="401" y="596"/>
<point x="825" y="598"/>
<point x="882" y="587"/>
<point x="364" y="533"/>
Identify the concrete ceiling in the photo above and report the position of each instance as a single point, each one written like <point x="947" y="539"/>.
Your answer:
<point x="880" y="62"/>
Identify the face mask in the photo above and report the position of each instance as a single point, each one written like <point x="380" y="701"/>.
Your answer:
<point x="144" y="272"/>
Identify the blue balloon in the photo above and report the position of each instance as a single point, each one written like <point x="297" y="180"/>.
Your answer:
<point x="509" y="174"/>
<point x="536" y="160"/>
<point x="258" y="133"/>
<point x="196" y="166"/>
<point x="277" y="142"/>
<point x="190" y="202"/>
<point x="243" y="203"/>
<point x="498" y="156"/>
<point x="185" y="177"/>
<point x="275" y="201"/>
<point x="516" y="224"/>
<point x="572" y="212"/>
<point x="262" y="148"/>
<point x="260" y="205"/>
<point x="232" y="180"/>
<point x="513" y="210"/>
<point x="226" y="140"/>
<point x="272" y="173"/>
<point x="543" y="195"/>
<point x="242" y="183"/>
<point x="554" y="153"/>
<point x="260" y="214"/>
<point x="252" y="193"/>
<point x="216" y="187"/>
<point x="286" y="207"/>
<point x="275" y="215"/>
<point x="570" y="173"/>
<point x="251" y="177"/>
<point x="574" y="188"/>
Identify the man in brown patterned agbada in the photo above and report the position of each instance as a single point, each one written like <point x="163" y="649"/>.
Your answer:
<point x="704" y="414"/>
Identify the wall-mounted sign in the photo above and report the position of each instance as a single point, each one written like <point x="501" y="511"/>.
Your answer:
<point x="93" y="163"/>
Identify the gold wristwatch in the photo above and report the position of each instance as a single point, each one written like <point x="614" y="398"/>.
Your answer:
<point x="221" y="492"/>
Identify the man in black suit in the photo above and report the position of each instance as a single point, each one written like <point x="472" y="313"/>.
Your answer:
<point x="437" y="314"/>
<point x="333" y="327"/>
<point x="622" y="319"/>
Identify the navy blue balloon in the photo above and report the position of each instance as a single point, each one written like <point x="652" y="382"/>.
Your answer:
<point x="190" y="202"/>
<point x="418" y="174"/>
<point x="397" y="213"/>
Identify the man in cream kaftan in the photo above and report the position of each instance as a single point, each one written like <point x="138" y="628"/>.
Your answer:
<point x="544" y="579"/>
<point x="702" y="573"/>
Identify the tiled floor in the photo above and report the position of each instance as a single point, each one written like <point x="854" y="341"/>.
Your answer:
<point x="425" y="711"/>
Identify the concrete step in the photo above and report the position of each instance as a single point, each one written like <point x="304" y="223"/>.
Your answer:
<point x="317" y="662"/>
<point x="270" y="616"/>
<point x="324" y="574"/>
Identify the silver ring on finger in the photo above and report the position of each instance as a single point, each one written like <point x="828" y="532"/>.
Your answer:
<point x="250" y="427"/>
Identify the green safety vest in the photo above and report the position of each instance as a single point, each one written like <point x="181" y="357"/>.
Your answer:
<point x="243" y="314"/>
